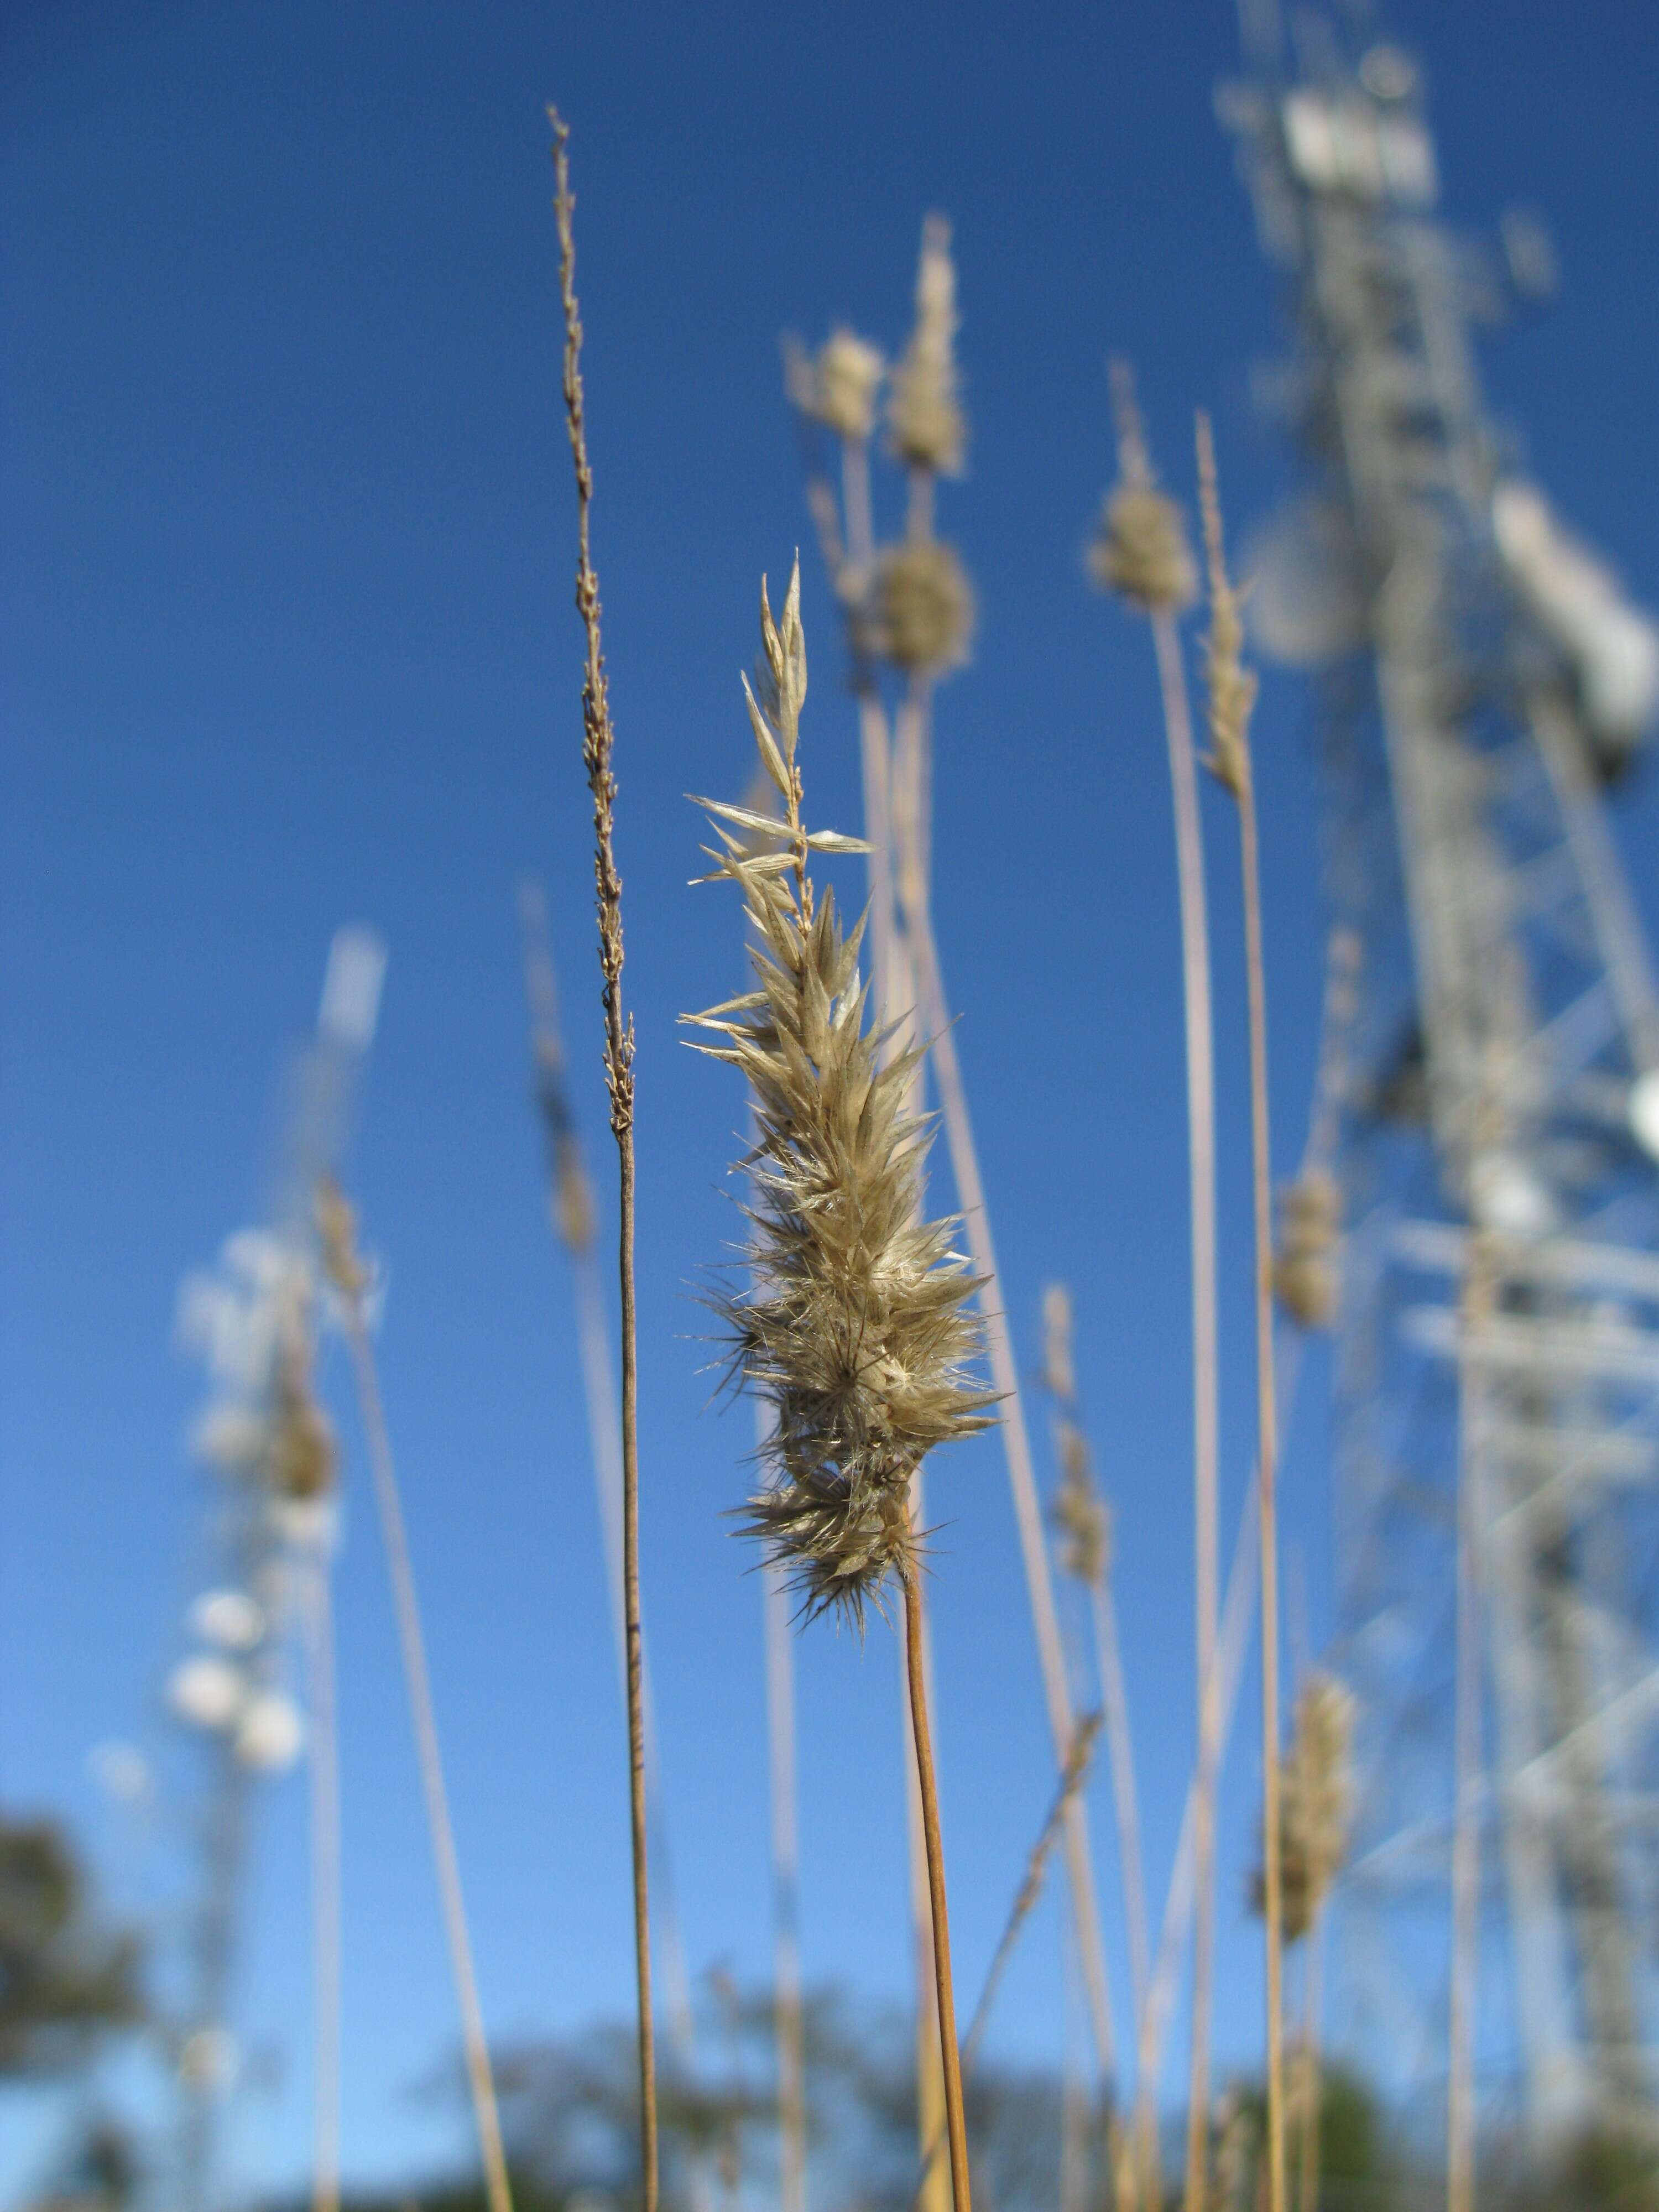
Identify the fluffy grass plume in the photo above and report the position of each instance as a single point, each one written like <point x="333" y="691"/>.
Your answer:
<point x="855" y="1326"/>
<point x="1139" y="548"/>
<point x="924" y="413"/>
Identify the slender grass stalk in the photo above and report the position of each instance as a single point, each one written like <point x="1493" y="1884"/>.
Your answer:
<point x="1142" y="554"/>
<point x="1200" y="1135"/>
<point x="575" y="1218"/>
<point x="1232" y="696"/>
<point x="1238" y="1617"/>
<point x="597" y="744"/>
<point x="956" y="2122"/>
<point x="1073" y="1776"/>
<point x="349" y="1280"/>
<point x="1017" y="1447"/>
<point x="324" y="1764"/>
<point x="1466" y="1835"/>
<point x="1083" y="1522"/>
<point x="788" y="2023"/>
<point x="935" y="2191"/>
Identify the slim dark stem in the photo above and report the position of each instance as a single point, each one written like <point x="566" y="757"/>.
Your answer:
<point x="598" y="740"/>
<point x="954" y="2121"/>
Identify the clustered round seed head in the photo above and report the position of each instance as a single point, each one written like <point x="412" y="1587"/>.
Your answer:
<point x="924" y="412"/>
<point x="1306" y="1264"/>
<point x="838" y="385"/>
<point x="1139" y="550"/>
<point x="920" y="609"/>
<point x="855" y="1325"/>
<point x="1316" y="1803"/>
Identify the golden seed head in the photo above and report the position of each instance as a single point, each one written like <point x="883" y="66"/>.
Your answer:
<point x="1306" y="1266"/>
<point x="838" y="386"/>
<point x="1315" y="1801"/>
<point x="924" y="412"/>
<point x="1139" y="550"/>
<point x="921" y="611"/>
<point x="855" y="1326"/>
<point x="1231" y="686"/>
<point x="336" y="1233"/>
<point x="1081" y="1516"/>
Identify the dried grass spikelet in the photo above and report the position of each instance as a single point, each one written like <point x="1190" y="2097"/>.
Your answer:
<point x="1080" y="1513"/>
<point x="1316" y="1801"/>
<point x="1139" y="548"/>
<point x="1306" y="1264"/>
<point x="921" y="611"/>
<point x="924" y="411"/>
<point x="300" y="1454"/>
<point x="1059" y="1369"/>
<point x="1231" y="686"/>
<point x="855" y="1322"/>
<point x="838" y="386"/>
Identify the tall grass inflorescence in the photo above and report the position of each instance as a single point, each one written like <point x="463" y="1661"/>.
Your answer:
<point x="855" y="1324"/>
<point x="599" y="740"/>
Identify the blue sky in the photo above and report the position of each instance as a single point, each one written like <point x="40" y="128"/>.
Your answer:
<point x="287" y="635"/>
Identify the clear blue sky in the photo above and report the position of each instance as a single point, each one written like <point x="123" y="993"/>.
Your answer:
<point x="285" y="616"/>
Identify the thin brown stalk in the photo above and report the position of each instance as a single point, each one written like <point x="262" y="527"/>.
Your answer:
<point x="934" y="2195"/>
<point x="348" y="1282"/>
<point x="597" y="744"/>
<point x="955" y="2119"/>
<point x="324" y="1766"/>
<point x="1072" y="1778"/>
<point x="572" y="1211"/>
<point x="1232" y="694"/>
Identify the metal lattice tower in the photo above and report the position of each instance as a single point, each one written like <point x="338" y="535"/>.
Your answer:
<point x="1481" y="682"/>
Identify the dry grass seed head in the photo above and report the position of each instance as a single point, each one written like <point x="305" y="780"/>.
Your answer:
<point x="1306" y="1265"/>
<point x="1139" y="549"/>
<point x="855" y="1325"/>
<point x="839" y="385"/>
<point x="922" y="612"/>
<point x="1316" y="1803"/>
<point x="1230" y="685"/>
<point x="925" y="408"/>
<point x="1059" y="1369"/>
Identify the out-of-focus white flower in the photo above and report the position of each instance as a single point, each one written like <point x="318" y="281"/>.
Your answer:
<point x="271" y="1732"/>
<point x="208" y="2059"/>
<point x="207" y="1691"/>
<point x="228" y="1618"/>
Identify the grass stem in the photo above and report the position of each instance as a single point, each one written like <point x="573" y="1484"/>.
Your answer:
<point x="1201" y="1144"/>
<point x="418" y="1681"/>
<point x="955" y="2119"/>
<point x="597" y="744"/>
